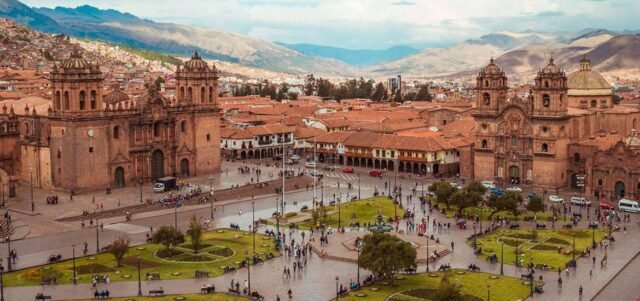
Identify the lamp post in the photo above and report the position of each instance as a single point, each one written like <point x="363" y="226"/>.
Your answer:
<point x="358" y="189"/>
<point x="139" y="281"/>
<point x="211" y="195"/>
<point x="337" y="292"/>
<point x="175" y="216"/>
<point x="517" y="252"/>
<point x="33" y="205"/>
<point x="474" y="238"/>
<point x="339" y="215"/>
<point x="8" y="253"/>
<point x="73" y="252"/>
<point x="573" y="252"/>
<point x="488" y="292"/>
<point x="246" y="253"/>
<point x="593" y="236"/>
<point x="140" y="182"/>
<point x="277" y="220"/>
<point x="358" y="262"/>
<point x="1" y="281"/>
<point x="502" y="259"/>
<point x="427" y="236"/>
<point x="97" y="237"/>
<point x="253" y="222"/>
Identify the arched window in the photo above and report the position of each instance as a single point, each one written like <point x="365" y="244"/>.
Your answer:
<point x="486" y="98"/>
<point x="486" y="83"/>
<point x="116" y="132"/>
<point x="545" y="148"/>
<point x="546" y="100"/>
<point x="183" y="126"/>
<point x="599" y="182"/>
<point x="203" y="94"/>
<point x="190" y="94"/>
<point x="82" y="100"/>
<point x="634" y="124"/>
<point x="181" y="96"/>
<point x="26" y="128"/>
<point x="210" y="94"/>
<point x="94" y="100"/>
<point x="59" y="154"/>
<point x="594" y="103"/>
<point x="546" y="84"/>
<point x="157" y="129"/>
<point x="576" y="157"/>
<point x="66" y="100"/>
<point x="58" y="102"/>
<point x="484" y="143"/>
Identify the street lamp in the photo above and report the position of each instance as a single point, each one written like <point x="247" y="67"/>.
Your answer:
<point x="358" y="262"/>
<point x="1" y="281"/>
<point x="337" y="291"/>
<point x="488" y="292"/>
<point x="593" y="236"/>
<point x="140" y="182"/>
<point x="517" y="245"/>
<point x="502" y="259"/>
<point x="97" y="236"/>
<point x="139" y="282"/>
<point x="427" y="236"/>
<point x="33" y="205"/>
<point x="253" y="222"/>
<point x="358" y="189"/>
<point x="175" y="216"/>
<point x="73" y="251"/>
<point x="339" y="215"/>
<point x="9" y="253"/>
<point x="573" y="253"/>
<point x="246" y="254"/>
<point x="277" y="219"/>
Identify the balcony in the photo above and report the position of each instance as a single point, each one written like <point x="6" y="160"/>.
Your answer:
<point x="265" y="142"/>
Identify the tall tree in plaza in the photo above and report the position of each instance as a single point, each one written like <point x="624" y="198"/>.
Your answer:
<point x="380" y="93"/>
<point x="168" y="236"/>
<point x="476" y="187"/>
<point x="535" y="204"/>
<point x="448" y="290"/>
<point x="309" y="85"/>
<point x="465" y="199"/>
<point x="195" y="233"/>
<point x="383" y="254"/>
<point x="507" y="202"/>
<point x="443" y="191"/>
<point x="423" y="94"/>
<point x="119" y="247"/>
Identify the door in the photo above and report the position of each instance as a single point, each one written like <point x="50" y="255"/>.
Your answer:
<point x="157" y="164"/>
<point x="119" y="177"/>
<point x="184" y="168"/>
<point x="619" y="189"/>
<point x="514" y="174"/>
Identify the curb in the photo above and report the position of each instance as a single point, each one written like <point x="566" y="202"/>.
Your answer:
<point x="614" y="276"/>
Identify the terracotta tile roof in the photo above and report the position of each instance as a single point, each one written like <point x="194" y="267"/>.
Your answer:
<point x="307" y="132"/>
<point x="460" y="128"/>
<point x="333" y="137"/>
<point x="602" y="142"/>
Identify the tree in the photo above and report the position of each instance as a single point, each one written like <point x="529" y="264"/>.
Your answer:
<point x="158" y="82"/>
<point x="168" y="236"/>
<point x="292" y="96"/>
<point x="535" y="204"/>
<point x="325" y="87"/>
<point x="380" y="93"/>
<point x="309" y="85"/>
<point x="384" y="254"/>
<point x="195" y="233"/>
<point x="423" y="94"/>
<point x="47" y="55"/>
<point x="443" y="191"/>
<point x="507" y="202"/>
<point x="476" y="187"/>
<point x="119" y="248"/>
<point x="448" y="290"/>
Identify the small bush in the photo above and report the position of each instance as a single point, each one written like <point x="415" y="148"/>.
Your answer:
<point x="554" y="240"/>
<point x="543" y="247"/>
<point x="222" y="251"/>
<point x="167" y="253"/>
<point x="290" y="214"/>
<point x="93" y="268"/>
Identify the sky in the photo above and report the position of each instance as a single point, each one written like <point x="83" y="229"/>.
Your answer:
<point x="376" y="24"/>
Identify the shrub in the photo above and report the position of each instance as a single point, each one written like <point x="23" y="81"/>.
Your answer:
<point x="93" y="268"/>
<point x="222" y="251"/>
<point x="290" y="214"/>
<point x="167" y="253"/>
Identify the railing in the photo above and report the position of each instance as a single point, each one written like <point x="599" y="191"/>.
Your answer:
<point x="264" y="142"/>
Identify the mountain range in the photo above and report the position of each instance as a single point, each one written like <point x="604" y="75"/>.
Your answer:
<point x="519" y="53"/>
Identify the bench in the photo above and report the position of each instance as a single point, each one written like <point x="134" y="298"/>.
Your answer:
<point x="234" y="291"/>
<point x="156" y="293"/>
<point x="42" y="297"/>
<point x="153" y="276"/>
<point x="208" y="290"/>
<point x="201" y="274"/>
<point x="526" y="277"/>
<point x="100" y="278"/>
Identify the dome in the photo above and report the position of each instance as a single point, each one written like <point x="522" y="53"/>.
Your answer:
<point x="551" y="68"/>
<point x="196" y="63"/>
<point x="116" y="96"/>
<point x="75" y="61"/>
<point x="587" y="79"/>
<point x="492" y="68"/>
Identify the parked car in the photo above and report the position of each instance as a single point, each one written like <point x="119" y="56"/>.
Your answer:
<point x="295" y="158"/>
<point x="497" y="192"/>
<point x="488" y="184"/>
<point x="531" y="195"/>
<point x="376" y="173"/>
<point x="315" y="173"/>
<point x="348" y="170"/>
<point x="580" y="201"/>
<point x="311" y="165"/>
<point x="330" y="167"/>
<point x="277" y="158"/>
<point x="514" y="189"/>
<point x="290" y="162"/>
<point x="606" y="205"/>
<point x="556" y="199"/>
<point x="628" y="205"/>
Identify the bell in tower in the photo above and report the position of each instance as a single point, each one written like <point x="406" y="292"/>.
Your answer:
<point x="550" y="91"/>
<point x="491" y="88"/>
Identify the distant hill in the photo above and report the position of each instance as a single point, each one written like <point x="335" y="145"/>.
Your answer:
<point x="354" y="57"/>
<point x="123" y="28"/>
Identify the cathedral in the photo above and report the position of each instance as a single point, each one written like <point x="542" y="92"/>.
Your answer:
<point x="537" y="140"/>
<point x="93" y="141"/>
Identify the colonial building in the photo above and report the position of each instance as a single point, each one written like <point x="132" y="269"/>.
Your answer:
<point x="553" y="137"/>
<point x="117" y="140"/>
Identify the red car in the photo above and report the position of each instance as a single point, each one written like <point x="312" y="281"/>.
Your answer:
<point x="375" y="173"/>
<point x="348" y="170"/>
<point x="606" y="206"/>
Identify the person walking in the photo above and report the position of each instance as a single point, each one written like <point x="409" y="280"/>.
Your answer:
<point x="580" y="291"/>
<point x="559" y="282"/>
<point x="452" y="246"/>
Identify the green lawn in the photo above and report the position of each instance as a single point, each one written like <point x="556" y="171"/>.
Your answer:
<point x="215" y="241"/>
<point x="189" y="297"/>
<point x="538" y="246"/>
<point x="484" y="213"/>
<point x="502" y="289"/>
<point x="364" y="211"/>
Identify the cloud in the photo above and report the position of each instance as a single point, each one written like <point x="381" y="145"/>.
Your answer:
<point x="403" y="2"/>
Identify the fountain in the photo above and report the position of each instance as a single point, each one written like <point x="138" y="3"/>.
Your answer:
<point x="380" y="226"/>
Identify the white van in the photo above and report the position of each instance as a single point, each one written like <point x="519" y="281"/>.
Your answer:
<point x="311" y="165"/>
<point x="488" y="184"/>
<point x="628" y="205"/>
<point x="580" y="201"/>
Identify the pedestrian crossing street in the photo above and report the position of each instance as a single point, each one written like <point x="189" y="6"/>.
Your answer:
<point x="344" y="176"/>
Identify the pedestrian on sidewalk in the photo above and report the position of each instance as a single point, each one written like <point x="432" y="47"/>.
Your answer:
<point x="452" y="246"/>
<point x="559" y="282"/>
<point x="580" y="291"/>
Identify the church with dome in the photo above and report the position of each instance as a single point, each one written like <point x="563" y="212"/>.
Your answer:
<point x="93" y="141"/>
<point x="563" y="135"/>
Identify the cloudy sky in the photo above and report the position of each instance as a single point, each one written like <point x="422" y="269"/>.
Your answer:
<point x="377" y="23"/>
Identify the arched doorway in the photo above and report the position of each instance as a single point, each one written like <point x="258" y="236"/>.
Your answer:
<point x="119" y="177"/>
<point x="184" y="168"/>
<point x="349" y="161"/>
<point x="376" y="164"/>
<point x="383" y="164"/>
<point x="574" y="181"/>
<point x="619" y="189"/>
<point x="157" y="164"/>
<point x="390" y="165"/>
<point x="514" y="174"/>
<point x="341" y="160"/>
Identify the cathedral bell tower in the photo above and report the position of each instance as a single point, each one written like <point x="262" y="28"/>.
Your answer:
<point x="491" y="89"/>
<point x="550" y="92"/>
<point x="76" y="86"/>
<point x="196" y="82"/>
